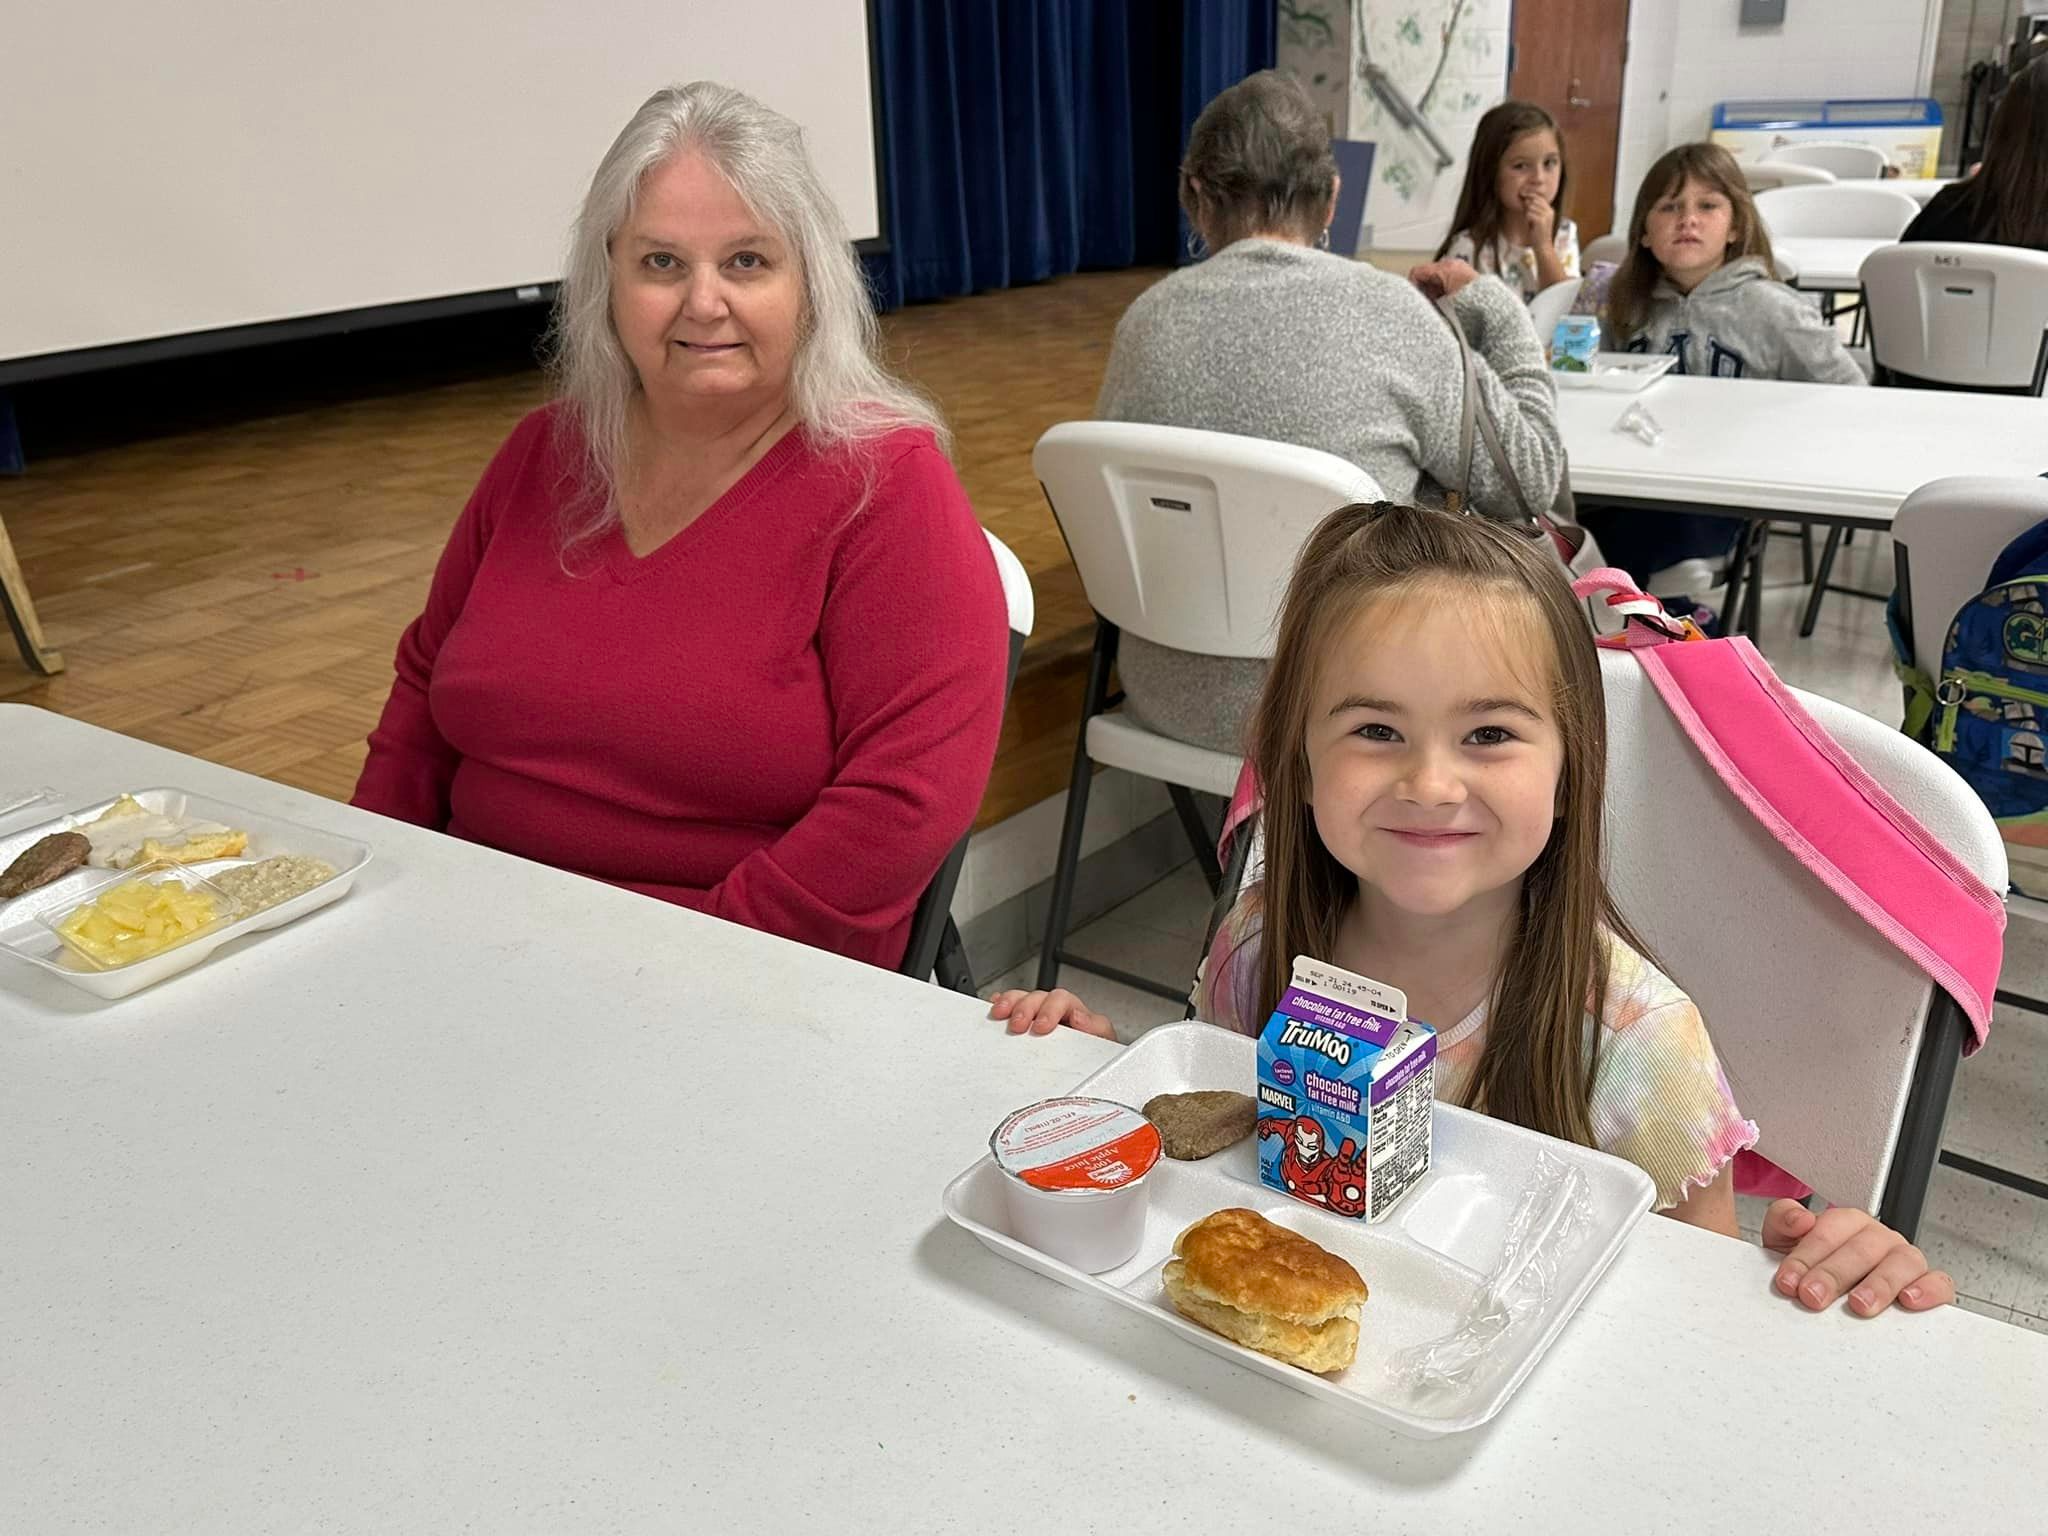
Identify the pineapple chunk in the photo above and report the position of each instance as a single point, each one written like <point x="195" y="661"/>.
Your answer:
<point x="136" y="919"/>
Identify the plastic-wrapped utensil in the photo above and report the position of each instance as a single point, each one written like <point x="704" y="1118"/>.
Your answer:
<point x="1638" y="421"/>
<point x="1549" y="1224"/>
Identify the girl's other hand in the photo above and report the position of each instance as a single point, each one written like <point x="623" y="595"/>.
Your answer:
<point x="1843" y="1251"/>
<point x="1040" y="1013"/>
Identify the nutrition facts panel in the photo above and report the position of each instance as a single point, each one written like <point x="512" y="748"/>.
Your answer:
<point x="1398" y="1152"/>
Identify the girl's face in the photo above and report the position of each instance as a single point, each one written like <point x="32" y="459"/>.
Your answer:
<point x="1530" y="169"/>
<point x="1434" y="752"/>
<point x="1689" y="231"/>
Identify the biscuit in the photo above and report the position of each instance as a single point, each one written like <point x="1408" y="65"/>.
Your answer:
<point x="1268" y="1288"/>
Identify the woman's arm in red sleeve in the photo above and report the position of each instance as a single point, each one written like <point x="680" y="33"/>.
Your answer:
<point x="410" y="766"/>
<point x="915" y="640"/>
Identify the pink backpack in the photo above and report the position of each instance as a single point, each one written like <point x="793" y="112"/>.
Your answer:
<point x="1816" y="800"/>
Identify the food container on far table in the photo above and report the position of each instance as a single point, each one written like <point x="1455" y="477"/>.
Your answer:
<point x="1076" y="1178"/>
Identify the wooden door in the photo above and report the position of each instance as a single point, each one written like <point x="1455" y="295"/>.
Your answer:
<point x="1568" y="59"/>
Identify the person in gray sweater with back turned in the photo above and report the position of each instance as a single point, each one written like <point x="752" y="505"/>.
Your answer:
<point x="1271" y="337"/>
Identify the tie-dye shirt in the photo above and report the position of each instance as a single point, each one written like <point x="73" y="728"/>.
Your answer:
<point x="1660" y="1100"/>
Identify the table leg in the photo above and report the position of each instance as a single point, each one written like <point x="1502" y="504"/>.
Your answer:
<point x="21" y="612"/>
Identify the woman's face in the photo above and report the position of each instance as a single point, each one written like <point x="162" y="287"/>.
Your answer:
<point x="706" y="296"/>
<point x="1689" y="230"/>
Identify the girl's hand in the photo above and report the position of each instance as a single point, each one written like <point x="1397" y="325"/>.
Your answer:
<point x="1540" y="218"/>
<point x="1843" y="1250"/>
<point x="1040" y="1013"/>
<point x="1439" y="278"/>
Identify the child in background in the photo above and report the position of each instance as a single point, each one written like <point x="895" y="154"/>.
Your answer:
<point x="1698" y="282"/>
<point x="1510" y="220"/>
<point x="1431" y="742"/>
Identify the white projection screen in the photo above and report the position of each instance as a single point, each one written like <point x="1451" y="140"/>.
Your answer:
<point x="170" y="171"/>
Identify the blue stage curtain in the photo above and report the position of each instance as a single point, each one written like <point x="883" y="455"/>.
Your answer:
<point x="1026" y="138"/>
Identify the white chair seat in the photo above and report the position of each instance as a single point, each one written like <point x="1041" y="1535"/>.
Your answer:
<point x="1762" y="175"/>
<point x="1115" y="742"/>
<point x="1844" y="211"/>
<point x="1845" y="159"/>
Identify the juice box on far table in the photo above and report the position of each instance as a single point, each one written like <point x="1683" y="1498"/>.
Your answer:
<point x="1346" y="1091"/>
<point x="1575" y="343"/>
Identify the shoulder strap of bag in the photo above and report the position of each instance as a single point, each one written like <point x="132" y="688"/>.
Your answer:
<point x="1475" y="414"/>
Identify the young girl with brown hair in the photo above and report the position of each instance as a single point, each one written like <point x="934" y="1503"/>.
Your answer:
<point x="1510" y="219"/>
<point x="1431" y="744"/>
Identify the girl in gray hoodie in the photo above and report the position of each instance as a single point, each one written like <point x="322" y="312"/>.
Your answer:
<point x="1697" y="283"/>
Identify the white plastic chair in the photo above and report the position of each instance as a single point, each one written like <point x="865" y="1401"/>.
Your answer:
<point x="1551" y="305"/>
<point x="934" y="947"/>
<point x="1844" y="211"/>
<point x="1840" y="1048"/>
<point x="1762" y="175"/>
<point x="1844" y="159"/>
<point x="1185" y="539"/>
<point x="1611" y="249"/>
<point x="1959" y="316"/>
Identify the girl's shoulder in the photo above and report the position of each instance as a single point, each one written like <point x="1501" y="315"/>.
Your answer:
<point x="1227" y="985"/>
<point x="1636" y="989"/>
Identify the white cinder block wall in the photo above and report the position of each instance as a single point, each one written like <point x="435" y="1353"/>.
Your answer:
<point x="1687" y="55"/>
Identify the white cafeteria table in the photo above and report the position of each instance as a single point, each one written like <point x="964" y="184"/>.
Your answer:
<point x="1827" y="264"/>
<point x="1771" y="450"/>
<point x="492" y="1198"/>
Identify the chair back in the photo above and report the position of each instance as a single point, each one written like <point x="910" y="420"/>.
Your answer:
<point x="1946" y="536"/>
<point x="1762" y="175"/>
<point x="935" y="906"/>
<point x="1552" y="305"/>
<point x="1187" y="538"/>
<point x="1608" y="250"/>
<point x="1959" y="316"/>
<point x="1817" y="1018"/>
<point x="1844" y="159"/>
<point x="1843" y="211"/>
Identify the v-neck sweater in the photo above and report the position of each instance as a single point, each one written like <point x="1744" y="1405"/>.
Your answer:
<point x="785" y="715"/>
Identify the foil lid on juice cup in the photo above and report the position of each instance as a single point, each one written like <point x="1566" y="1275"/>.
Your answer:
<point x="1076" y="1144"/>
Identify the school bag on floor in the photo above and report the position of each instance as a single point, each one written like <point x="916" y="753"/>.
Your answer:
<point x="1985" y="711"/>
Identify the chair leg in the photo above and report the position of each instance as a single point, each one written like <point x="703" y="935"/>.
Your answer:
<point x="1806" y="552"/>
<point x="20" y="611"/>
<point x="1068" y="861"/>
<point x="952" y="969"/>
<point x="1753" y="599"/>
<point x="1738" y="586"/>
<point x="1918" y="1146"/>
<point x="1198" y="835"/>
<point x="1820" y="582"/>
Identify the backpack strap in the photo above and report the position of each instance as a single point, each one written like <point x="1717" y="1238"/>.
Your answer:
<point x="1837" y="820"/>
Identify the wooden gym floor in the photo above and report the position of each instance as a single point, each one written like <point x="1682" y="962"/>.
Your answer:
<point x="225" y="551"/>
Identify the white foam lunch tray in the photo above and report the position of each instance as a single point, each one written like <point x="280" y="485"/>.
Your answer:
<point x="1622" y="372"/>
<point x="1421" y="1264"/>
<point x="24" y="938"/>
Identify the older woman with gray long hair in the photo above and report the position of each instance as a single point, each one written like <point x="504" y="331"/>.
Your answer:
<point x="718" y="624"/>
<point x="1272" y="337"/>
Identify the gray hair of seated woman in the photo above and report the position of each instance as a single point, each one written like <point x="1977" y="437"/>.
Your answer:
<point x="839" y="389"/>
<point x="1258" y="162"/>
